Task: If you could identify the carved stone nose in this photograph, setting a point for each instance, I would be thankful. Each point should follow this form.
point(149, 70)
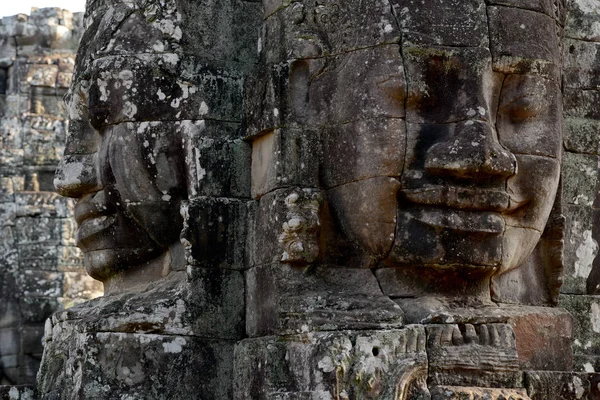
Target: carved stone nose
point(472, 153)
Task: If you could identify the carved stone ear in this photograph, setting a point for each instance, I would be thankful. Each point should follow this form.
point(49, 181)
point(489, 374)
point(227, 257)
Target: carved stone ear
point(299, 237)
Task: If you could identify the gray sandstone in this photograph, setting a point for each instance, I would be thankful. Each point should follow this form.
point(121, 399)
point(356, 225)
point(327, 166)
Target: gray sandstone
point(305, 200)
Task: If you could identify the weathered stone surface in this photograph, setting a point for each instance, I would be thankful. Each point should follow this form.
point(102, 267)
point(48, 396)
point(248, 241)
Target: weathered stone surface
point(586, 323)
point(476, 393)
point(561, 385)
point(472, 355)
point(284, 158)
point(583, 21)
point(283, 299)
point(540, 332)
point(581, 248)
point(37, 235)
point(344, 364)
point(114, 364)
point(312, 179)
point(20, 392)
point(287, 221)
point(216, 232)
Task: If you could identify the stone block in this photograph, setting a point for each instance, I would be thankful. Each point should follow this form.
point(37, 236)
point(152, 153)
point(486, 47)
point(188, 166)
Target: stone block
point(29, 364)
point(580, 135)
point(586, 322)
point(581, 70)
point(215, 232)
point(547, 385)
point(223, 32)
point(40, 283)
point(347, 364)
point(70, 258)
point(218, 159)
point(42, 75)
point(127, 88)
point(36, 309)
point(476, 393)
point(45, 204)
point(38, 256)
point(44, 230)
point(580, 178)
point(205, 302)
point(520, 36)
point(454, 23)
point(582, 21)
point(581, 103)
point(119, 365)
point(284, 158)
point(9, 308)
point(313, 92)
point(542, 335)
point(365, 213)
point(215, 303)
point(313, 29)
point(482, 355)
point(10, 342)
point(31, 339)
point(378, 88)
point(283, 299)
point(547, 7)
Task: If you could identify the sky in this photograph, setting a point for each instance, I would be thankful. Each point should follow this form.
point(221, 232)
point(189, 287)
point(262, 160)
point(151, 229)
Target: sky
point(12, 7)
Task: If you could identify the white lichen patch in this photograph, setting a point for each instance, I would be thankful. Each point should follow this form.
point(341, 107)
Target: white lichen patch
point(176, 346)
point(326, 364)
point(203, 108)
point(595, 317)
point(585, 253)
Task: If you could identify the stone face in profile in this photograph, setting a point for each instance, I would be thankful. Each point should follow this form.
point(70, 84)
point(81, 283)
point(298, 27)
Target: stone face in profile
point(129, 180)
point(138, 96)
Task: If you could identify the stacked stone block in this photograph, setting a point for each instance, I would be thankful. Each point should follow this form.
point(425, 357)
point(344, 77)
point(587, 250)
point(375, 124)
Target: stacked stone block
point(41, 270)
point(581, 197)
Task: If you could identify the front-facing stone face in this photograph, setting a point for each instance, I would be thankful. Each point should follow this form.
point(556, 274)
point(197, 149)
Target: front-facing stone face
point(429, 154)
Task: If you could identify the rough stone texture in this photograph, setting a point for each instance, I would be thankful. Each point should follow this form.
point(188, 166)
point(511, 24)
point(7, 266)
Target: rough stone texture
point(271, 191)
point(476, 393)
point(343, 364)
point(562, 385)
point(20, 392)
point(41, 270)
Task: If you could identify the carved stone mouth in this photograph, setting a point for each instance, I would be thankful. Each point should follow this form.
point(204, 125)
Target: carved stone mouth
point(468, 199)
point(460, 220)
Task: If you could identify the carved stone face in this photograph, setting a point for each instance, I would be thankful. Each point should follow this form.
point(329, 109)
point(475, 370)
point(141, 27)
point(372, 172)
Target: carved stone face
point(440, 124)
point(475, 164)
point(128, 177)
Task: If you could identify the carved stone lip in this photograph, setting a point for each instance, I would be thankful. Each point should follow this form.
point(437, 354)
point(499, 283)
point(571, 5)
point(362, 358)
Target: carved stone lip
point(468, 199)
point(487, 222)
point(92, 205)
point(92, 228)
